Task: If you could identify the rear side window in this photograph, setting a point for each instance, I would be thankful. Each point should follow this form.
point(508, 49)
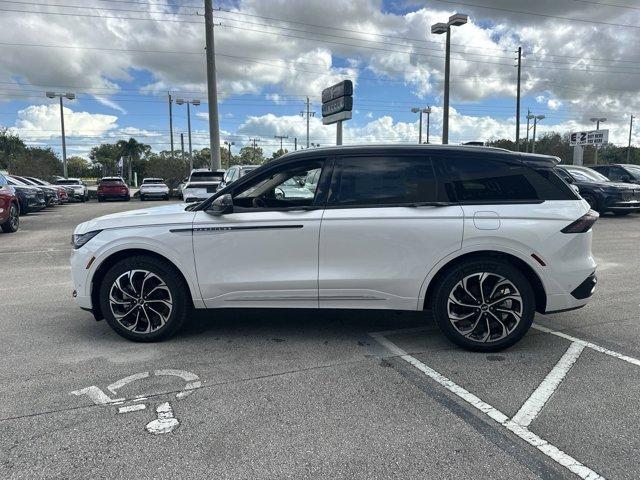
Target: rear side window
point(481, 180)
point(364, 181)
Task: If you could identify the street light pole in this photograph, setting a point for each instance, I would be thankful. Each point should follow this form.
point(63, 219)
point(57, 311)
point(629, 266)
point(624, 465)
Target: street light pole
point(428, 110)
point(629, 147)
point(597, 120)
point(69, 96)
point(455, 20)
point(421, 111)
point(195, 102)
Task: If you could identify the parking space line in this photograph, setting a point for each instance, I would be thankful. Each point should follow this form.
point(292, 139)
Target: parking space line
point(535, 403)
point(525, 434)
point(593, 346)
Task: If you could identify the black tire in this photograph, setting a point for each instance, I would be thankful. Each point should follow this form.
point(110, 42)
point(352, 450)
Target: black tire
point(127, 199)
point(495, 268)
point(181, 305)
point(592, 201)
point(142, 198)
point(621, 213)
point(13, 222)
point(100, 199)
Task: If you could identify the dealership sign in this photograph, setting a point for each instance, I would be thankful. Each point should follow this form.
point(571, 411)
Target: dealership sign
point(337, 102)
point(591, 137)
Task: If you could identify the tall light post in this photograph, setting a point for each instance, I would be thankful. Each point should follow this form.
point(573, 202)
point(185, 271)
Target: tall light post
point(536, 119)
point(455, 20)
point(228, 144)
point(597, 121)
point(195, 102)
point(68, 96)
point(421, 111)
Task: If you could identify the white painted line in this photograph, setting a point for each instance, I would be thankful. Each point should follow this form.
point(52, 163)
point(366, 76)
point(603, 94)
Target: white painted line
point(186, 376)
point(531, 438)
point(534, 404)
point(132, 408)
point(593, 346)
point(97, 396)
point(165, 423)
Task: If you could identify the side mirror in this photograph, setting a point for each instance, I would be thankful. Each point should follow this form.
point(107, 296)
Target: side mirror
point(221, 205)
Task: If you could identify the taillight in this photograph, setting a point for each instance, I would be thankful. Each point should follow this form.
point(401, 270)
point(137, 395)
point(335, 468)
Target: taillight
point(583, 224)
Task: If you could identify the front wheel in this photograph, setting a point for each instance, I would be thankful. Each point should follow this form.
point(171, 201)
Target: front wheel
point(13, 222)
point(144, 299)
point(484, 306)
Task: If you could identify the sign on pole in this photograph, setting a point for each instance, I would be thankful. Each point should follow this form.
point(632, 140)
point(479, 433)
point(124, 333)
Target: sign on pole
point(590, 137)
point(337, 106)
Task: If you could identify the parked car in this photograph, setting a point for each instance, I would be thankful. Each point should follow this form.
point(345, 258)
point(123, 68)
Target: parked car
point(234, 173)
point(201, 185)
point(50, 193)
point(293, 188)
point(31, 198)
point(153, 188)
point(78, 188)
point(620, 172)
point(482, 237)
point(180, 187)
point(602, 194)
point(113, 188)
point(63, 192)
point(9, 207)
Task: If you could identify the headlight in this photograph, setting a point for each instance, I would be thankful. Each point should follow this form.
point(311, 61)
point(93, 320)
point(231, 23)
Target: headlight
point(78, 240)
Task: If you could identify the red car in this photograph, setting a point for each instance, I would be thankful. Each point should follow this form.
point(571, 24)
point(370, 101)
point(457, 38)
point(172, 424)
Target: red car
point(113, 187)
point(9, 207)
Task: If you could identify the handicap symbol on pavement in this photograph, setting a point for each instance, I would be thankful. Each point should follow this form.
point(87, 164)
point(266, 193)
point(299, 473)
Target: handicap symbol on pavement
point(165, 421)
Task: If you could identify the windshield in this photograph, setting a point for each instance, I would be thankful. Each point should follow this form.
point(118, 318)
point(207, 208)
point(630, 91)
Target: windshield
point(68, 182)
point(587, 174)
point(206, 176)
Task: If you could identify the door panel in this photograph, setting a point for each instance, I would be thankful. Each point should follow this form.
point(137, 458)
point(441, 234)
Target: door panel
point(258, 259)
point(379, 257)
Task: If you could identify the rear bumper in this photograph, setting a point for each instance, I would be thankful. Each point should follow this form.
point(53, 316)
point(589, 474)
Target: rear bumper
point(586, 288)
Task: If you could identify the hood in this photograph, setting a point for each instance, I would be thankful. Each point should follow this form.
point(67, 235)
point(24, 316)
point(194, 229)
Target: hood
point(163, 215)
point(620, 186)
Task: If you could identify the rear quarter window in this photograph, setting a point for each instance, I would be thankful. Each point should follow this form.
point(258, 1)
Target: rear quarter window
point(486, 180)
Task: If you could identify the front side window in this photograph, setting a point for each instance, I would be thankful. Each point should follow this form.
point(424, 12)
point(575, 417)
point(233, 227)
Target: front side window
point(618, 174)
point(483, 180)
point(383, 181)
point(281, 188)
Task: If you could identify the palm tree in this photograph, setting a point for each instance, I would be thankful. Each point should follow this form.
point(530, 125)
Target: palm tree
point(133, 150)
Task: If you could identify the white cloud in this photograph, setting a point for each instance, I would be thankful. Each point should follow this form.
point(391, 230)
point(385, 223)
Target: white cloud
point(554, 104)
point(40, 122)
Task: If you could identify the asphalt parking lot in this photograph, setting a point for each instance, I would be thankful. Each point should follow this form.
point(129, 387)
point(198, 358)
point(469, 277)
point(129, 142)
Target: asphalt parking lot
point(307, 394)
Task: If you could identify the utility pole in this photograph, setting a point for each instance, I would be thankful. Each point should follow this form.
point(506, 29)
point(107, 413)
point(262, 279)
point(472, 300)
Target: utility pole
point(629, 147)
point(254, 142)
point(535, 123)
point(182, 145)
point(518, 101)
point(280, 137)
point(309, 114)
point(171, 122)
point(529, 117)
point(69, 96)
point(597, 120)
point(428, 122)
point(295, 144)
point(214, 127)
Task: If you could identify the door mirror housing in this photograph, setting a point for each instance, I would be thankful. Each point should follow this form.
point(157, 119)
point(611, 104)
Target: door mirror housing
point(221, 205)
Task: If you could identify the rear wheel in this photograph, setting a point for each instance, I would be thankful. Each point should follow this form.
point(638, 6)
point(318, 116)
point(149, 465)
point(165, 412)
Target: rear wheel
point(13, 222)
point(591, 200)
point(144, 299)
point(484, 306)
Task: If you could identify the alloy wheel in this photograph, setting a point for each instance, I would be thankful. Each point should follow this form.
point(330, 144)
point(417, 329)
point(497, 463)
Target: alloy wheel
point(140, 301)
point(14, 218)
point(485, 307)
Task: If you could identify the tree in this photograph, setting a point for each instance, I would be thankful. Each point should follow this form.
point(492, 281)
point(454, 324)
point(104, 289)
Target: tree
point(278, 153)
point(163, 165)
point(37, 162)
point(82, 168)
point(250, 155)
point(10, 147)
point(106, 156)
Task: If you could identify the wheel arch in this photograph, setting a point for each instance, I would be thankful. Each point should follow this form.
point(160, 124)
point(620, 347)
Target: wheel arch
point(115, 257)
point(526, 269)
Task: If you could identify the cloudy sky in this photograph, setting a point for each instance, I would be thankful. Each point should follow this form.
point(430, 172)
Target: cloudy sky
point(581, 60)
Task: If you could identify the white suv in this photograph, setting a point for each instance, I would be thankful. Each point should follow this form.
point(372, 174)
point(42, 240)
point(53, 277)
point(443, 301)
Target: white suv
point(482, 237)
point(201, 185)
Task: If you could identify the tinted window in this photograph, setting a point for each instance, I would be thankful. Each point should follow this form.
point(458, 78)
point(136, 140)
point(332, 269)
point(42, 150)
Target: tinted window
point(155, 181)
point(110, 181)
point(206, 176)
point(483, 180)
point(618, 174)
point(384, 181)
point(68, 182)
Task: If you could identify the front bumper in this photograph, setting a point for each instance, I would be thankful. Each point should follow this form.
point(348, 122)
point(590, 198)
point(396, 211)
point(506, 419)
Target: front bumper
point(624, 206)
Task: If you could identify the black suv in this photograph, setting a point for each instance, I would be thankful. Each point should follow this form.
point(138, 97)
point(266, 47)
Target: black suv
point(620, 172)
point(602, 194)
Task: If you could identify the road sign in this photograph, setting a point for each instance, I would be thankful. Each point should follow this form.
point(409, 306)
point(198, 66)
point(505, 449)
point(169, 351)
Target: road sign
point(336, 117)
point(591, 137)
point(337, 105)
